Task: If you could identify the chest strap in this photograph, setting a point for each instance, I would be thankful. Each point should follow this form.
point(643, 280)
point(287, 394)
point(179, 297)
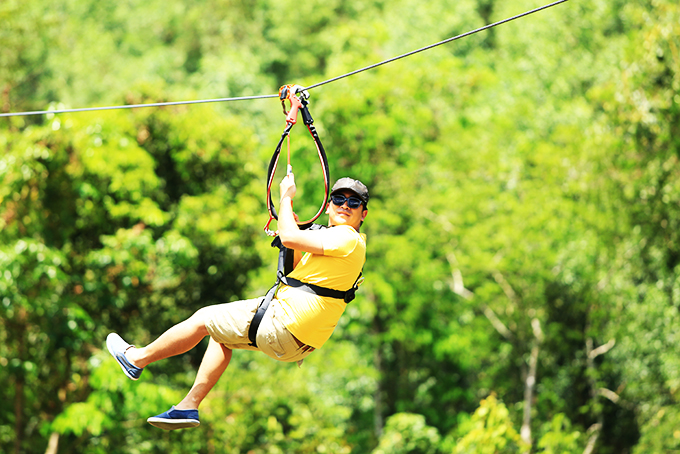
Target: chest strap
point(347, 296)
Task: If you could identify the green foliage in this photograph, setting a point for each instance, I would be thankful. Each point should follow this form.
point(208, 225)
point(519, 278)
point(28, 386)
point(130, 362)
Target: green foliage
point(489, 431)
point(660, 433)
point(249, 412)
point(558, 437)
point(642, 109)
point(407, 433)
point(92, 241)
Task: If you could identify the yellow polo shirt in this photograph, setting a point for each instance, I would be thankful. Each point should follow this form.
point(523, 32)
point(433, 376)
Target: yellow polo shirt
point(312, 318)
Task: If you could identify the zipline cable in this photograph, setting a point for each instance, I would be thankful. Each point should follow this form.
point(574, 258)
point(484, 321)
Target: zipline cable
point(243, 98)
point(134, 106)
point(408, 54)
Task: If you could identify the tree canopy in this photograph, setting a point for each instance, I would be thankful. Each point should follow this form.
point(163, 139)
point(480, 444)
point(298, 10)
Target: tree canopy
point(523, 273)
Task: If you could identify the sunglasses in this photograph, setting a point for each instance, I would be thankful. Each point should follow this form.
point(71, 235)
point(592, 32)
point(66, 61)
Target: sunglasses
point(352, 202)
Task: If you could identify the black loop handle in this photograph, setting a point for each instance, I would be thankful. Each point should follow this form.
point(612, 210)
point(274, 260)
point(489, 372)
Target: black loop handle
point(273, 163)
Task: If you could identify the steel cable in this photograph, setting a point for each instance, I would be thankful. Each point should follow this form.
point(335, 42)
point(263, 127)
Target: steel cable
point(243, 98)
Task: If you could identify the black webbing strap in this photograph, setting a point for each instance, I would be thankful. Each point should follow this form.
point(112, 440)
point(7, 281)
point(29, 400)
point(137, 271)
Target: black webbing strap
point(347, 296)
point(292, 93)
point(285, 264)
point(257, 319)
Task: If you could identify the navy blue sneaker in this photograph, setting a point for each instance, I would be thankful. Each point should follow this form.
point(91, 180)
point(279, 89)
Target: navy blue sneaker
point(175, 419)
point(117, 347)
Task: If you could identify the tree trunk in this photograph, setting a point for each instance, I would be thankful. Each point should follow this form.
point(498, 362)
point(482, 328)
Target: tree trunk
point(530, 383)
point(591, 354)
point(529, 386)
point(53, 444)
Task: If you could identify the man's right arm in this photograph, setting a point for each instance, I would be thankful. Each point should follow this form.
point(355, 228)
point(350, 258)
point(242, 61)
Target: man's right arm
point(290, 234)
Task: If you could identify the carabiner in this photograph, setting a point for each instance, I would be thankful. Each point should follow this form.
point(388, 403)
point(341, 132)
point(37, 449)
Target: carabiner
point(290, 92)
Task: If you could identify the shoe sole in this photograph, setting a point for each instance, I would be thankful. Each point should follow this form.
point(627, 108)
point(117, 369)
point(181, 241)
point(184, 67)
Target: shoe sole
point(172, 424)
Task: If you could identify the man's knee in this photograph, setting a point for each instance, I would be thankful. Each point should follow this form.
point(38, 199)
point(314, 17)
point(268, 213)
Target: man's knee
point(200, 319)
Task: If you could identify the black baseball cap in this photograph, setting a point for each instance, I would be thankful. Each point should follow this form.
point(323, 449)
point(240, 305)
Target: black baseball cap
point(353, 185)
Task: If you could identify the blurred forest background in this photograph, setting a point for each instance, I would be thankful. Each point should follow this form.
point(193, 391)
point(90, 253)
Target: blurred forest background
point(523, 276)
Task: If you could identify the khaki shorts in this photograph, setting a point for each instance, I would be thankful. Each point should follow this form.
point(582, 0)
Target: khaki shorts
point(228, 324)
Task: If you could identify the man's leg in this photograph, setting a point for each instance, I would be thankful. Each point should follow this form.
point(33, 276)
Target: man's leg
point(177, 340)
point(215, 362)
point(185, 414)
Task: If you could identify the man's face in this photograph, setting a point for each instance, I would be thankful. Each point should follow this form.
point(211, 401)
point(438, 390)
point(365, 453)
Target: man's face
point(343, 214)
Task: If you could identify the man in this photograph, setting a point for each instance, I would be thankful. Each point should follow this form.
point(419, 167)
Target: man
point(295, 323)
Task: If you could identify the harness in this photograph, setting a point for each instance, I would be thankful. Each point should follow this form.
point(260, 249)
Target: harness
point(284, 267)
